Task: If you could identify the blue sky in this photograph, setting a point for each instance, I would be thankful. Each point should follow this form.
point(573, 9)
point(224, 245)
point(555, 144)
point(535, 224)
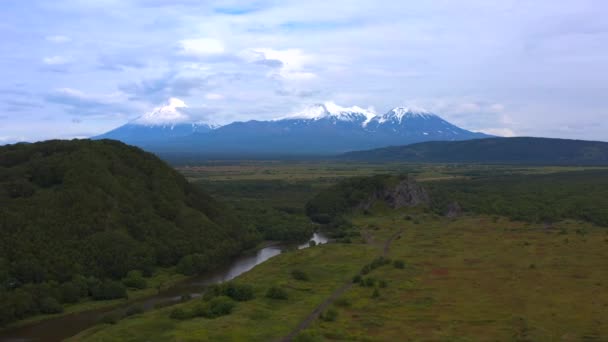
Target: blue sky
point(76, 68)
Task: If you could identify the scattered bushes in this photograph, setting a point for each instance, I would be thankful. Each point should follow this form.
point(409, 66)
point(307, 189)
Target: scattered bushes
point(399, 264)
point(236, 291)
point(215, 307)
point(276, 293)
point(299, 275)
point(108, 289)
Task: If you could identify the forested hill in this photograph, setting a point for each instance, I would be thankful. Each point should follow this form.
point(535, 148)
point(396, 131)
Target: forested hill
point(520, 150)
point(100, 209)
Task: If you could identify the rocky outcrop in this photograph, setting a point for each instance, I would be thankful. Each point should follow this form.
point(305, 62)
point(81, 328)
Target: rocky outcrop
point(406, 193)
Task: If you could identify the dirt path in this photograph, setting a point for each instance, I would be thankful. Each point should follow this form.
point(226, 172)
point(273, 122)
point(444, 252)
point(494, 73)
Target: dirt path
point(335, 295)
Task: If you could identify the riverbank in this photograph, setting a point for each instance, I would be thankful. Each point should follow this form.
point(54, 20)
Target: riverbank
point(174, 286)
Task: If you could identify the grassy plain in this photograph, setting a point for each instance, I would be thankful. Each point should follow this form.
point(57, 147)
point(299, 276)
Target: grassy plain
point(473, 278)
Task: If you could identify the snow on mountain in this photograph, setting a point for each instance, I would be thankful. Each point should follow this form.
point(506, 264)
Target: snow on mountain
point(398, 114)
point(330, 110)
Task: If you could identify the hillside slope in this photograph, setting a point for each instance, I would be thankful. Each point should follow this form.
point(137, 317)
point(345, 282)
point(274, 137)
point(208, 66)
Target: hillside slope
point(520, 150)
point(101, 209)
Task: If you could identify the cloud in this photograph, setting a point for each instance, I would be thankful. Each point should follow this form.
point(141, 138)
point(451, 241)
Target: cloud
point(200, 47)
point(120, 62)
point(58, 39)
point(56, 60)
point(79, 103)
point(214, 96)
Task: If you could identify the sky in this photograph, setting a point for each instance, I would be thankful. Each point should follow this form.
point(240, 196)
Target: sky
point(78, 68)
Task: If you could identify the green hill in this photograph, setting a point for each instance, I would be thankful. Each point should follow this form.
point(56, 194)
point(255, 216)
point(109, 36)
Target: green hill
point(541, 151)
point(83, 212)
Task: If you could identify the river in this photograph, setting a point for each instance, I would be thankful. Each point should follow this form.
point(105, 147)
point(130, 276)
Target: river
point(60, 328)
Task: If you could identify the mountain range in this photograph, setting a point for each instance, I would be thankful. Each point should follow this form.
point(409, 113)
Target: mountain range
point(321, 129)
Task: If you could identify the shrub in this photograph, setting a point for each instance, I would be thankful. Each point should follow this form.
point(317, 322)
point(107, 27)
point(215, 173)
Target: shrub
point(330, 315)
point(369, 282)
point(312, 243)
point(308, 336)
point(276, 293)
point(219, 306)
point(70, 293)
point(238, 292)
point(135, 279)
point(49, 305)
point(382, 284)
point(299, 275)
point(399, 264)
point(357, 279)
point(376, 293)
point(108, 289)
point(343, 302)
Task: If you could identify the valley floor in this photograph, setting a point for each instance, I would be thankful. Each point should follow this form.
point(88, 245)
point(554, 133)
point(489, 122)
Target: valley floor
point(468, 279)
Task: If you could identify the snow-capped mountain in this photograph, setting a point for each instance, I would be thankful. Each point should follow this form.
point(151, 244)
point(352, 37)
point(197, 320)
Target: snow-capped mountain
point(321, 129)
point(158, 126)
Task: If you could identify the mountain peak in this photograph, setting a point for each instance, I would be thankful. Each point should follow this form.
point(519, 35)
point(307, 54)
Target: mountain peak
point(400, 113)
point(166, 114)
point(331, 110)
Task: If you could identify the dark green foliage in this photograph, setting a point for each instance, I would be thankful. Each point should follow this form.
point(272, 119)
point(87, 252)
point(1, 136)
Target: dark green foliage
point(234, 290)
point(535, 198)
point(382, 284)
point(108, 289)
point(312, 243)
point(219, 306)
point(331, 203)
point(299, 275)
point(519, 150)
point(399, 264)
point(376, 293)
point(216, 307)
point(50, 305)
point(330, 315)
point(276, 292)
point(101, 209)
point(135, 279)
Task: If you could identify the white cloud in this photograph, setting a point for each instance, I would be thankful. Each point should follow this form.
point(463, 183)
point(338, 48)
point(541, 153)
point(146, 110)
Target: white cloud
point(56, 60)
point(293, 62)
point(58, 39)
point(169, 113)
point(201, 47)
point(501, 132)
point(214, 96)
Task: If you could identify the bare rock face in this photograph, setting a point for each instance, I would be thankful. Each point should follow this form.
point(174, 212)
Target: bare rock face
point(454, 210)
point(407, 193)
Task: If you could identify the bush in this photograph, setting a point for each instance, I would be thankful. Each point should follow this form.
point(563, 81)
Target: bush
point(382, 284)
point(308, 336)
point(70, 293)
point(299, 275)
point(330, 315)
point(399, 264)
point(135, 280)
point(238, 292)
point(49, 305)
point(219, 306)
point(357, 279)
point(108, 289)
point(376, 293)
point(343, 302)
point(276, 293)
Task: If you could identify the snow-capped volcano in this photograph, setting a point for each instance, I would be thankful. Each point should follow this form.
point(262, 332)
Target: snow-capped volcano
point(330, 110)
point(162, 123)
point(320, 129)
